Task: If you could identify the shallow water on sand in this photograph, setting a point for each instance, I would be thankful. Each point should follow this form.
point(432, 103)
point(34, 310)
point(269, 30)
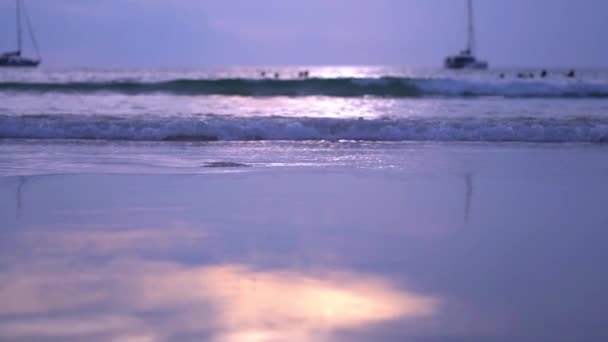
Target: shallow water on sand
point(459, 243)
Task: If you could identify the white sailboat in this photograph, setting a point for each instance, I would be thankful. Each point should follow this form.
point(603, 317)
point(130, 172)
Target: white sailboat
point(14, 58)
point(466, 58)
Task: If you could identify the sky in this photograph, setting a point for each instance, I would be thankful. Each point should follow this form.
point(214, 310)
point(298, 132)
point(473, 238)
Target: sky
point(185, 33)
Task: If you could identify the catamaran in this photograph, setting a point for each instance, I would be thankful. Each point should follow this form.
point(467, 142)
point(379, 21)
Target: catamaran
point(14, 58)
point(466, 58)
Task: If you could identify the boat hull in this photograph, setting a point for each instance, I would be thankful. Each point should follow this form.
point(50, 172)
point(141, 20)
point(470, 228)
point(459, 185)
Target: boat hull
point(468, 62)
point(19, 63)
point(476, 66)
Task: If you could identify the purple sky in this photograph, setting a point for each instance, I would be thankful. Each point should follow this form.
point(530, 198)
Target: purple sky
point(534, 33)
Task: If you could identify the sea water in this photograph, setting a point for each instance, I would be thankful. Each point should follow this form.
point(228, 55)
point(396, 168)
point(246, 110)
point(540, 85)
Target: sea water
point(119, 111)
point(363, 203)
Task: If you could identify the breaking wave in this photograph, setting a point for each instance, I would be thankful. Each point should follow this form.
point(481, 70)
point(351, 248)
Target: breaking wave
point(214, 128)
point(339, 87)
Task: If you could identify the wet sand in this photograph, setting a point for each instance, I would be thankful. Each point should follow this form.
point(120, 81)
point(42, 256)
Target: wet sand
point(512, 252)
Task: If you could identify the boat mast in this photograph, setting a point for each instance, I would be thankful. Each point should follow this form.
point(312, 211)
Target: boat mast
point(471, 40)
point(18, 26)
point(30, 29)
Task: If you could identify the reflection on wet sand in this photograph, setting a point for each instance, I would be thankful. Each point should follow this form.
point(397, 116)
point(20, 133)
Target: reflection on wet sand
point(226, 302)
point(99, 239)
point(128, 297)
point(19, 196)
point(286, 305)
point(468, 180)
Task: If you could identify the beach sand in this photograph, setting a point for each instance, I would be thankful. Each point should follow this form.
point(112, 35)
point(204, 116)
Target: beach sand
point(463, 244)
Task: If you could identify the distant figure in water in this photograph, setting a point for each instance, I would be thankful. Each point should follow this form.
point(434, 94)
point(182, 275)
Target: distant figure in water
point(543, 73)
point(520, 75)
point(570, 74)
point(263, 73)
point(276, 75)
point(531, 75)
point(502, 76)
point(303, 74)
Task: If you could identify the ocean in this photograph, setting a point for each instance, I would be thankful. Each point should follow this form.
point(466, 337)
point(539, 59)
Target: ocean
point(120, 111)
point(360, 203)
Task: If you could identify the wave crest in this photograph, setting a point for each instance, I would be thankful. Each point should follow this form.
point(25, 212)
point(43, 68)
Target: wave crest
point(213, 128)
point(338, 87)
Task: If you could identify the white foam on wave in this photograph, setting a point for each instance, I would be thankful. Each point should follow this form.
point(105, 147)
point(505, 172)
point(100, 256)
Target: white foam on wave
point(512, 88)
point(305, 128)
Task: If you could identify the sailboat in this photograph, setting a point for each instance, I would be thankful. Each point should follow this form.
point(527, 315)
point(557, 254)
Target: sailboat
point(14, 58)
point(466, 58)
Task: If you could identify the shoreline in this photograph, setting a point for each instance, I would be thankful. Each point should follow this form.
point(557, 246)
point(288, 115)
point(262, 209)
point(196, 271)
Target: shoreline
point(24, 157)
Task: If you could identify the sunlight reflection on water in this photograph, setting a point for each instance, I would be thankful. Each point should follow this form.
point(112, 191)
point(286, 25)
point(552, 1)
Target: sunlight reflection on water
point(64, 291)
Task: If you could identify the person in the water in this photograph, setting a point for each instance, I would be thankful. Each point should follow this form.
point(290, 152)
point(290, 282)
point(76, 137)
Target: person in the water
point(303, 74)
point(571, 74)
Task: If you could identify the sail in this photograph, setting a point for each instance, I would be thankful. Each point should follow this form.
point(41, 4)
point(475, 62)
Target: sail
point(30, 29)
